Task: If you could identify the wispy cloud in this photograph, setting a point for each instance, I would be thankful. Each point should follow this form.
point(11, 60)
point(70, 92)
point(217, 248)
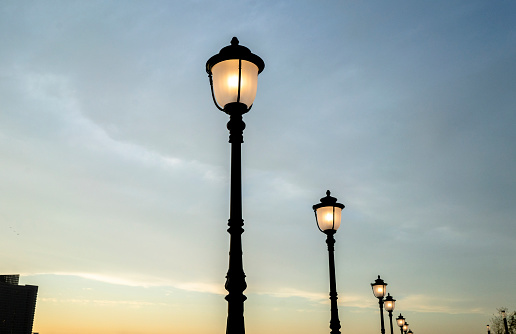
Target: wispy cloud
point(56, 98)
point(201, 287)
point(143, 281)
point(344, 300)
point(101, 302)
point(439, 304)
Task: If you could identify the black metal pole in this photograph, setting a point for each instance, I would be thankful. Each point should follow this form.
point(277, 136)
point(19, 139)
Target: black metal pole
point(235, 279)
point(390, 318)
point(380, 301)
point(401, 329)
point(505, 325)
point(334, 320)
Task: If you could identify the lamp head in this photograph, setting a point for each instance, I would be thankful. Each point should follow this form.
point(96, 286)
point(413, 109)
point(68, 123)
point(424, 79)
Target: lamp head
point(389, 303)
point(379, 288)
point(233, 74)
point(400, 320)
point(328, 214)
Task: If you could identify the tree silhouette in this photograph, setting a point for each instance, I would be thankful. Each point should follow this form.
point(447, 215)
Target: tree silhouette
point(497, 326)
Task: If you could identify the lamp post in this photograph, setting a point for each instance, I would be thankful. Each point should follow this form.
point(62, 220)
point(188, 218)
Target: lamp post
point(233, 74)
point(379, 292)
point(389, 307)
point(328, 215)
point(505, 322)
point(405, 327)
point(401, 321)
point(410, 331)
point(488, 330)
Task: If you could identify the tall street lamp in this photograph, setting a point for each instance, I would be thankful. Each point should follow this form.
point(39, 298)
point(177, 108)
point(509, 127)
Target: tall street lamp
point(401, 321)
point(233, 74)
point(505, 322)
point(379, 292)
point(389, 307)
point(328, 214)
point(488, 330)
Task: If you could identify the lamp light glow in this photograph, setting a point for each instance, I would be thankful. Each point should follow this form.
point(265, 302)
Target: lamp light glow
point(328, 213)
point(389, 303)
point(400, 320)
point(233, 74)
point(379, 287)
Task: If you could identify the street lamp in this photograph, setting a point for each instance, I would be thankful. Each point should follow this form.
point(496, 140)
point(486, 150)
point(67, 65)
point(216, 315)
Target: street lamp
point(379, 292)
point(505, 322)
point(488, 330)
point(405, 327)
point(389, 307)
point(233, 74)
point(410, 331)
point(328, 216)
point(401, 321)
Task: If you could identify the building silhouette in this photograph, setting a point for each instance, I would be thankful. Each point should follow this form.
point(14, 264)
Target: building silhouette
point(17, 305)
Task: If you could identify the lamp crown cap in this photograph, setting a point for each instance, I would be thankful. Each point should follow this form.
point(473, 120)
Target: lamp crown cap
point(328, 199)
point(379, 281)
point(235, 51)
point(389, 298)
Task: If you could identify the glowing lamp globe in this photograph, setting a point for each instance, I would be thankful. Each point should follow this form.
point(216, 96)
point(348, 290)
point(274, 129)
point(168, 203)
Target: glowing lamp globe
point(379, 287)
point(233, 74)
point(400, 320)
point(389, 303)
point(328, 213)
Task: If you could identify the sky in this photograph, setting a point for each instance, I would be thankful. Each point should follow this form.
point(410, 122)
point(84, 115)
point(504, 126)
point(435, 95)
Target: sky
point(114, 182)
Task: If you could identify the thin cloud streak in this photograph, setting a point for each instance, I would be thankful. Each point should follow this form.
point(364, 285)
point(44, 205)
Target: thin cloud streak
point(102, 302)
point(437, 304)
point(56, 98)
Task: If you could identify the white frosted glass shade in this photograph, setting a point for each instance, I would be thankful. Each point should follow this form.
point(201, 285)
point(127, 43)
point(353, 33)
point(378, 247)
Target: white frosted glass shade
point(401, 322)
point(226, 82)
point(328, 217)
point(389, 305)
point(379, 290)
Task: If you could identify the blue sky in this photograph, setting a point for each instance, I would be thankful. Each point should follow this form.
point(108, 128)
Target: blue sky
point(115, 162)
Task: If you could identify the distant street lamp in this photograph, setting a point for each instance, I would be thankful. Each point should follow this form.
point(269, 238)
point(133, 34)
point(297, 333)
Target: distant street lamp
point(389, 307)
point(401, 321)
point(405, 327)
point(488, 330)
point(379, 292)
point(410, 331)
point(505, 322)
point(328, 217)
point(233, 74)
